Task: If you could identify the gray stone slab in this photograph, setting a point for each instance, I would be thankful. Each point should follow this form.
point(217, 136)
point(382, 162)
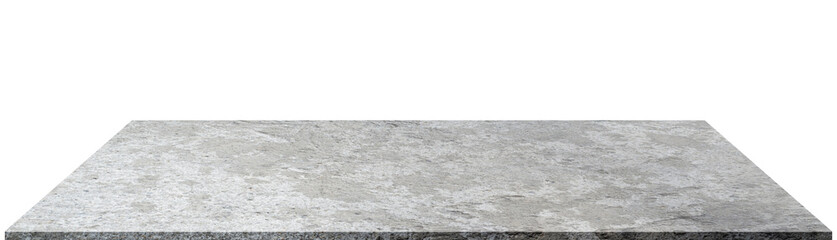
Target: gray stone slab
point(418, 180)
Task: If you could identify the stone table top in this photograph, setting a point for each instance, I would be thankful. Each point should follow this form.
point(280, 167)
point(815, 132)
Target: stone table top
point(416, 179)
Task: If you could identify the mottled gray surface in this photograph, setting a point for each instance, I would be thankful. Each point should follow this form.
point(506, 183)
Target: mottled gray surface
point(417, 176)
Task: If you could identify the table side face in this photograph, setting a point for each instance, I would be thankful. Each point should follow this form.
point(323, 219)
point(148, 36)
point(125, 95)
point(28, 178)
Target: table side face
point(418, 176)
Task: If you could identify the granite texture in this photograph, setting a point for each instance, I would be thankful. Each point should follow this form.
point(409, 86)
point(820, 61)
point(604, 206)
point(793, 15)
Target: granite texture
point(418, 180)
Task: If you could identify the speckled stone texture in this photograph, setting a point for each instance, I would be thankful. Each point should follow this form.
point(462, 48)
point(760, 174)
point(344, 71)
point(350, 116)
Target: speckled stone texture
point(418, 180)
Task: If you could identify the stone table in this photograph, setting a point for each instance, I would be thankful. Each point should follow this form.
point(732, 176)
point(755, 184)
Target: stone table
point(418, 180)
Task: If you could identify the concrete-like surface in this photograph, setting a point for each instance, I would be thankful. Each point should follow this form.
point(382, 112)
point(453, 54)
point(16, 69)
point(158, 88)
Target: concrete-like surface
point(418, 179)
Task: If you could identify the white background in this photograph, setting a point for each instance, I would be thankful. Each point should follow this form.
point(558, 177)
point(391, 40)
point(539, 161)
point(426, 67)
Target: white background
point(73, 73)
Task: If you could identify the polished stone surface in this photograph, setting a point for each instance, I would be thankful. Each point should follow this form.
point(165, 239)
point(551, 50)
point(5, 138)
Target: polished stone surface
point(417, 179)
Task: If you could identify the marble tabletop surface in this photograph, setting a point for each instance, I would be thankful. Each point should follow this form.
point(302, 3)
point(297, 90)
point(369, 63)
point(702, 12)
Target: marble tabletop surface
point(417, 176)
